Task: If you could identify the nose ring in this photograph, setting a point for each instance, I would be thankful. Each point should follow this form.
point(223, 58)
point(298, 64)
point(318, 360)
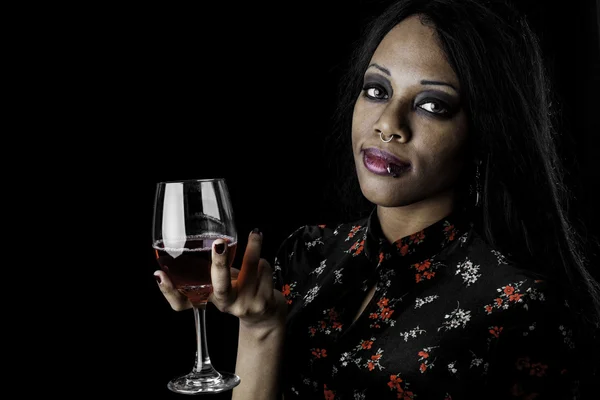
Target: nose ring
point(385, 141)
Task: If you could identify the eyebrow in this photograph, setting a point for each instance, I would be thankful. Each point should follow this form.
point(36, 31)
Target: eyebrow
point(379, 67)
point(439, 83)
point(423, 82)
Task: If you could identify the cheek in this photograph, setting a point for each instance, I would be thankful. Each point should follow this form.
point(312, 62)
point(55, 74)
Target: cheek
point(356, 121)
point(445, 157)
point(362, 119)
point(449, 142)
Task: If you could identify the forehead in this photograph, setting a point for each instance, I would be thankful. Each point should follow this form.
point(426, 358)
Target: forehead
point(411, 47)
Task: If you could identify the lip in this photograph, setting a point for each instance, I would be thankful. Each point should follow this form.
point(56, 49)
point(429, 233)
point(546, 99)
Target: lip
point(374, 152)
point(377, 161)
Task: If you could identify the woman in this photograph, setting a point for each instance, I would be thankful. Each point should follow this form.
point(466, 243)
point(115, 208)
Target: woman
point(438, 292)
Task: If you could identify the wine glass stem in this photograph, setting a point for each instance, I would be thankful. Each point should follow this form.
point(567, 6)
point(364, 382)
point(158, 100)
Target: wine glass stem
point(203, 365)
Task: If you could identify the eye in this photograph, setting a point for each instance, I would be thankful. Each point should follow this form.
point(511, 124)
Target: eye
point(434, 106)
point(375, 92)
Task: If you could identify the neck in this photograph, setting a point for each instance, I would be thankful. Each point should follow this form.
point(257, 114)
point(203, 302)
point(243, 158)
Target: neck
point(398, 222)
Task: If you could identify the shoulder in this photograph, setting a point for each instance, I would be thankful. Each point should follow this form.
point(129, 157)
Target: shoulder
point(521, 320)
point(498, 269)
point(316, 238)
point(500, 290)
point(299, 259)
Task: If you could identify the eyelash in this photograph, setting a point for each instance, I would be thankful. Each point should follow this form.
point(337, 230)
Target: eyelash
point(446, 111)
point(377, 87)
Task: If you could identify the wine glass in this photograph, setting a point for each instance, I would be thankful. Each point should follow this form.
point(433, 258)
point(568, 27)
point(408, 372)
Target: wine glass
point(189, 215)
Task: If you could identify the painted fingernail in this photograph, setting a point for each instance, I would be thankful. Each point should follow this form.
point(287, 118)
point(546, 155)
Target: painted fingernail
point(220, 248)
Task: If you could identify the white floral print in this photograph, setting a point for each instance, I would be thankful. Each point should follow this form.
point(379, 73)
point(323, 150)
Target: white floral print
point(468, 271)
point(317, 271)
point(412, 333)
point(456, 318)
point(310, 295)
point(338, 276)
point(421, 302)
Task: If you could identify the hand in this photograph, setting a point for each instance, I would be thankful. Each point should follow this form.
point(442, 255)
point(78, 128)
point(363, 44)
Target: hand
point(251, 297)
point(177, 301)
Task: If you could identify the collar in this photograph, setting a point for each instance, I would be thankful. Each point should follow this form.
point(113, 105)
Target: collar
point(417, 247)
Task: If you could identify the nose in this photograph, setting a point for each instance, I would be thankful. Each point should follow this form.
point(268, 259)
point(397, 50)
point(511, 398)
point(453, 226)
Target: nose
point(393, 122)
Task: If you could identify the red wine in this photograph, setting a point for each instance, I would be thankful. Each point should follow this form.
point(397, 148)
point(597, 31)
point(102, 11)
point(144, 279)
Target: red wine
point(188, 266)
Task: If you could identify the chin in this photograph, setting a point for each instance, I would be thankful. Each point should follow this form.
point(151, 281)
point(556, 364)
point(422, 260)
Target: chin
point(390, 201)
point(386, 195)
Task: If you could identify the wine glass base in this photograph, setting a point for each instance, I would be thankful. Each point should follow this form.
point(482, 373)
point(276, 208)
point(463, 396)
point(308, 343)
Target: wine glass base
point(194, 384)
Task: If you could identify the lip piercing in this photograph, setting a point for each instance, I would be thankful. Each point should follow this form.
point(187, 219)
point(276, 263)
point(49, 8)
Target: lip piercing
point(389, 170)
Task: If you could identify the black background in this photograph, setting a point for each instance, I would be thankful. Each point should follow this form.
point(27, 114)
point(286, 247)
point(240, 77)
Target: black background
point(246, 92)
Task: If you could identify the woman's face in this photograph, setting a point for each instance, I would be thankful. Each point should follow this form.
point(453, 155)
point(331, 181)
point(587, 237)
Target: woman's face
point(409, 91)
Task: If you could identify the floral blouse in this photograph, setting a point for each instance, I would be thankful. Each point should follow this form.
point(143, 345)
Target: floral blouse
point(450, 318)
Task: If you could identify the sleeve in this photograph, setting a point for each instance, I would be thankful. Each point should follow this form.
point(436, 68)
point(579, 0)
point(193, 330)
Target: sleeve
point(294, 261)
point(534, 352)
point(284, 278)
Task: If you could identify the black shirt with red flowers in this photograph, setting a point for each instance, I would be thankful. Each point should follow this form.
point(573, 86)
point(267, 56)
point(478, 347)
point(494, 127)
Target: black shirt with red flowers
point(450, 318)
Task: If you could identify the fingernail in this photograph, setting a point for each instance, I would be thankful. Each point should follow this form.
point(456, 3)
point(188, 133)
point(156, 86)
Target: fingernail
point(256, 230)
point(157, 279)
point(220, 248)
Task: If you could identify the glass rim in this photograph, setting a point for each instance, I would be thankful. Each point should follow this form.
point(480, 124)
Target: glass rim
point(190, 180)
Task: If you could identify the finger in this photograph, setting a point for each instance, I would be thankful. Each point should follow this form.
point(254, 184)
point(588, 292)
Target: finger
point(177, 301)
point(234, 273)
point(248, 273)
point(265, 284)
point(219, 272)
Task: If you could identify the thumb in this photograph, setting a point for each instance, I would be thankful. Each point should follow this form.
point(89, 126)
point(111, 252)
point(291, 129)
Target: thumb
point(177, 301)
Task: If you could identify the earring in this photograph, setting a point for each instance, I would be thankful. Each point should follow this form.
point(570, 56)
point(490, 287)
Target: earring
point(477, 185)
point(475, 188)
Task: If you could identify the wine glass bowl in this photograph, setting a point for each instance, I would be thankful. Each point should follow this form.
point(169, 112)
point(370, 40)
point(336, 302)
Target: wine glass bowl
point(188, 267)
point(189, 215)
